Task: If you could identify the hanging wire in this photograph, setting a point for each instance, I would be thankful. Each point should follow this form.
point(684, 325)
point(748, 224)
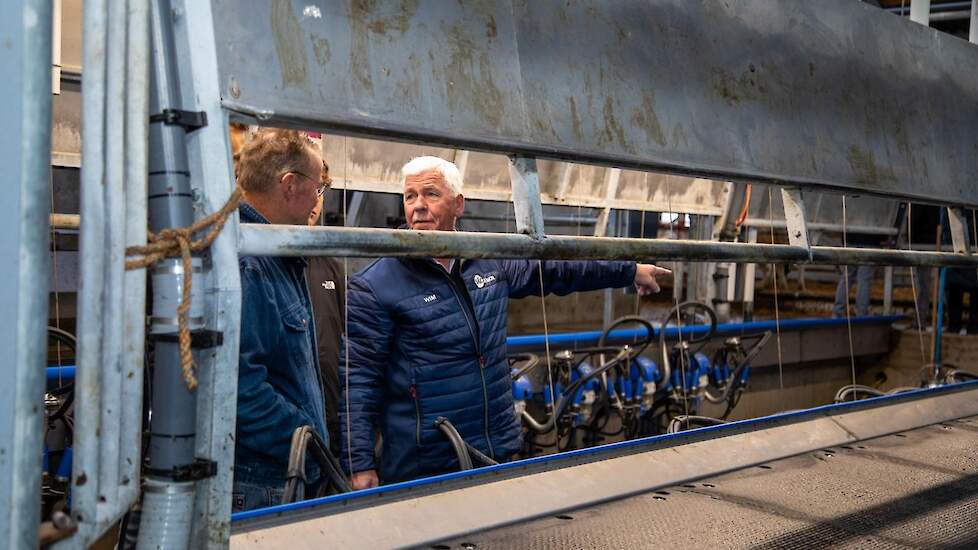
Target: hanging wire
point(777, 309)
point(346, 316)
point(679, 318)
point(546, 344)
point(845, 274)
point(57, 295)
point(913, 288)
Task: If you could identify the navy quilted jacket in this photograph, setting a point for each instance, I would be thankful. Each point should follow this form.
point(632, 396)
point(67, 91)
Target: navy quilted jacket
point(425, 343)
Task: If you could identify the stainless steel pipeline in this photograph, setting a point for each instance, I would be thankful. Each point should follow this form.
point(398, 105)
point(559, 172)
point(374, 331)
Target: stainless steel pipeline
point(280, 240)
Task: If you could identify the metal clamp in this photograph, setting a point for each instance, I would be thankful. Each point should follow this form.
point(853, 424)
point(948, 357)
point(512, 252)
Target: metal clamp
point(200, 468)
point(199, 339)
point(189, 120)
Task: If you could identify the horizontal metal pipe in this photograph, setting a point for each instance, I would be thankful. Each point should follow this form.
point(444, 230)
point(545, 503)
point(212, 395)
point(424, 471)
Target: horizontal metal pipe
point(689, 331)
point(950, 15)
point(934, 8)
point(282, 240)
point(819, 226)
point(65, 221)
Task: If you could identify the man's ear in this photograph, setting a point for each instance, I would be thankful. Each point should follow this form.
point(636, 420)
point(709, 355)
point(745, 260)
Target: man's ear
point(286, 187)
point(459, 205)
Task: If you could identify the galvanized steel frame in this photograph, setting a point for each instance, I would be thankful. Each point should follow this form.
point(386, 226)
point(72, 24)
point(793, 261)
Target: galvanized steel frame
point(25, 146)
point(111, 313)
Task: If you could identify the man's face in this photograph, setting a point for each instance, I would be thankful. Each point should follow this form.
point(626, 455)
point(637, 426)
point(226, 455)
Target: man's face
point(301, 189)
point(429, 204)
point(316, 212)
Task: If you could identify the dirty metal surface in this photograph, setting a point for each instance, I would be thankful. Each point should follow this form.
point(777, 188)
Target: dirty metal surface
point(918, 489)
point(807, 93)
point(360, 164)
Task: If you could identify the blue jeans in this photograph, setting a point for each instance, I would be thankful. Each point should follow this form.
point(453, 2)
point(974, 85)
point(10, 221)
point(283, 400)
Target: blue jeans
point(248, 496)
point(862, 278)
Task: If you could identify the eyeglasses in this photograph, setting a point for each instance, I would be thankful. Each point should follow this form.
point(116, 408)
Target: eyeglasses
point(322, 186)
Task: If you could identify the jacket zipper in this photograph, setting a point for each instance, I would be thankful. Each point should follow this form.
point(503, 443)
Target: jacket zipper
point(413, 392)
point(467, 310)
point(315, 347)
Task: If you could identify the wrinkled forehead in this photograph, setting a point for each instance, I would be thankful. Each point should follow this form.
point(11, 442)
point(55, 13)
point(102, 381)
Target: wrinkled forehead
point(428, 177)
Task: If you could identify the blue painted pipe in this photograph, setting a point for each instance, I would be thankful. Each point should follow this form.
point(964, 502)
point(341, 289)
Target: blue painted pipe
point(723, 329)
point(56, 374)
point(939, 321)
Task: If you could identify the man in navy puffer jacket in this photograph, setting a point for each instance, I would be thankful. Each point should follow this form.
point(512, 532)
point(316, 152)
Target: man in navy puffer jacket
point(427, 339)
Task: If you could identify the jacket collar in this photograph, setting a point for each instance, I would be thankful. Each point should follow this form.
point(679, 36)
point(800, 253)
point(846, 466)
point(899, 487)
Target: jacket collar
point(248, 214)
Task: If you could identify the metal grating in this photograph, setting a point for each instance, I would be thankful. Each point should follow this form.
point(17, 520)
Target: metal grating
point(911, 490)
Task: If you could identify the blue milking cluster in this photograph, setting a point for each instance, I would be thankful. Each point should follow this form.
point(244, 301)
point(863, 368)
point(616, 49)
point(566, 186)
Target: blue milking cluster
point(588, 396)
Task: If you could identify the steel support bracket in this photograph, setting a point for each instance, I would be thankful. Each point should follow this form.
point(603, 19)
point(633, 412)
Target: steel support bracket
point(189, 120)
point(610, 192)
point(526, 196)
point(958, 224)
point(794, 217)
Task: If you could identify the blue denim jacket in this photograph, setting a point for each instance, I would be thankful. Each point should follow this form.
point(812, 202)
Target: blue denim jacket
point(279, 385)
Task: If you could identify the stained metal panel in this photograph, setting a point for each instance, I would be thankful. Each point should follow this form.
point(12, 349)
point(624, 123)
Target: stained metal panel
point(359, 164)
point(809, 93)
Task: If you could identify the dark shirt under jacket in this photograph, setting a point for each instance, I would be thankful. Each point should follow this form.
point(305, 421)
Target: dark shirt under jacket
point(327, 287)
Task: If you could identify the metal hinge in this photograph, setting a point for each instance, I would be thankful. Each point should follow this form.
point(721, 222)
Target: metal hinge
point(189, 120)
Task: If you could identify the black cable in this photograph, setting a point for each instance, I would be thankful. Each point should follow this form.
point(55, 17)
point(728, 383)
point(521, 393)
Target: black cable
point(532, 361)
point(446, 427)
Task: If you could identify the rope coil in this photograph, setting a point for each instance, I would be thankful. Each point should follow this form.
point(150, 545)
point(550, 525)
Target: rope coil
point(178, 242)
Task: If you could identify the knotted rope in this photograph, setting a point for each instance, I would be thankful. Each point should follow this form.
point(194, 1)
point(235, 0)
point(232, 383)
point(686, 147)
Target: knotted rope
point(170, 243)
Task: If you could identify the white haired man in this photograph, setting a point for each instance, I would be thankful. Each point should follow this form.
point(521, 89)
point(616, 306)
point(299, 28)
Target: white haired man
point(427, 340)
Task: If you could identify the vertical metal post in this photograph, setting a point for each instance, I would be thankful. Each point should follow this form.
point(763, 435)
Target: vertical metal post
point(939, 320)
point(114, 250)
point(794, 218)
point(565, 179)
point(88, 390)
point(920, 11)
point(611, 191)
point(526, 196)
point(958, 224)
point(209, 155)
point(136, 174)
point(25, 149)
point(353, 212)
point(750, 271)
point(973, 29)
point(888, 290)
point(608, 295)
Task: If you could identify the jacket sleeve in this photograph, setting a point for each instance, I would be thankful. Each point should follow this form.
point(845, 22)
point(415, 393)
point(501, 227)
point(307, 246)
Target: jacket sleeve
point(265, 416)
point(370, 333)
point(563, 277)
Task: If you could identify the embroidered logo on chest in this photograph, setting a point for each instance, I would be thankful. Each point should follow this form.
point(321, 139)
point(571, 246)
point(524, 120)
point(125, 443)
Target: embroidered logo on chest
point(329, 285)
point(430, 298)
point(481, 281)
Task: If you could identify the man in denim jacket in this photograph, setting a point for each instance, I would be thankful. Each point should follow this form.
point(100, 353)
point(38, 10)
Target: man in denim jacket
point(279, 385)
